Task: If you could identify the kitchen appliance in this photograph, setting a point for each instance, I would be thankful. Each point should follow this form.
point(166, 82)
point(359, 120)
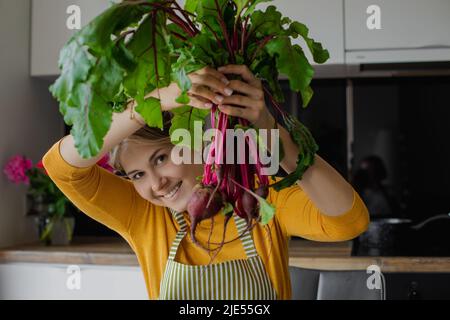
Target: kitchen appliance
point(400, 237)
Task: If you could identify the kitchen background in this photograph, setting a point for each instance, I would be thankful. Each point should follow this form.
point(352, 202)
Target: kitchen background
point(380, 111)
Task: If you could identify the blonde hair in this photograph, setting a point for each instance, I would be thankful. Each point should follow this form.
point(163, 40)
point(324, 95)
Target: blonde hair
point(145, 135)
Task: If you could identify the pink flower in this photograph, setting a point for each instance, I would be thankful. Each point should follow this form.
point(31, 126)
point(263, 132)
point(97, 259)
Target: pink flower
point(16, 169)
point(104, 163)
point(40, 165)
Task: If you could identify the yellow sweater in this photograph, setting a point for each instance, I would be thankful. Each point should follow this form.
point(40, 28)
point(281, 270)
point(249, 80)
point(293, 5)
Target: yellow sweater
point(150, 229)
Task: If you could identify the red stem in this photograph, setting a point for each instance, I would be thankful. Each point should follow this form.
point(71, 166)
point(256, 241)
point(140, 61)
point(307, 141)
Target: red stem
point(185, 15)
point(254, 152)
point(219, 43)
point(243, 35)
point(274, 103)
point(225, 32)
point(155, 53)
point(175, 19)
point(176, 34)
point(188, 26)
point(261, 45)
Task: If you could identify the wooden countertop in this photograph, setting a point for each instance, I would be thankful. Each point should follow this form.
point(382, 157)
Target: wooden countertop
point(305, 254)
point(85, 250)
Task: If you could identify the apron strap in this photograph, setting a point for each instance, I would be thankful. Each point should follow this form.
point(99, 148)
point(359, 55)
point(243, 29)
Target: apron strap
point(246, 239)
point(241, 225)
point(180, 234)
point(180, 220)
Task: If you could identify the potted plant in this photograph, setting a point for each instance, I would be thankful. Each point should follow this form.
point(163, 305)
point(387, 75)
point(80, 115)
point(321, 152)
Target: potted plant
point(51, 208)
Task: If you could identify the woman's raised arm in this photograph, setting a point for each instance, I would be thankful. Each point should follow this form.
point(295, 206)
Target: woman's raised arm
point(122, 126)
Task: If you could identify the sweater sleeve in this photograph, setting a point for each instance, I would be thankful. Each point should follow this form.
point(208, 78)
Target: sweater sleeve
point(100, 194)
point(298, 216)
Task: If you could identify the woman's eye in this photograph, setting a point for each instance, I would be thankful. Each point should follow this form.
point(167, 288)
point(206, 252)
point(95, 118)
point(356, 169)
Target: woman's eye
point(136, 176)
point(160, 159)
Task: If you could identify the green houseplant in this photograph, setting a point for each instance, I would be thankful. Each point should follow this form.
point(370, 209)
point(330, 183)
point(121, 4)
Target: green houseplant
point(46, 202)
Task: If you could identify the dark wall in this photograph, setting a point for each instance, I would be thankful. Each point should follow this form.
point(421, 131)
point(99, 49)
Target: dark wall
point(325, 116)
point(404, 121)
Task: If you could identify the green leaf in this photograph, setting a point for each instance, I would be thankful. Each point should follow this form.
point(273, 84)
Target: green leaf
point(191, 5)
point(185, 64)
point(124, 57)
point(185, 118)
point(209, 8)
point(266, 69)
point(46, 234)
point(206, 51)
point(308, 148)
point(137, 81)
point(183, 98)
point(91, 121)
point(299, 73)
point(227, 209)
point(266, 211)
point(60, 206)
point(307, 94)
point(75, 63)
point(144, 79)
point(106, 78)
point(267, 22)
point(68, 229)
point(150, 110)
point(97, 34)
point(184, 83)
point(251, 8)
point(320, 55)
point(175, 42)
point(140, 42)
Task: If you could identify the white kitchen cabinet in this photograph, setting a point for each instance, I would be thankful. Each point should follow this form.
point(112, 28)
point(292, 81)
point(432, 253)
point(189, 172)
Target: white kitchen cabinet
point(325, 20)
point(411, 31)
point(31, 281)
point(49, 31)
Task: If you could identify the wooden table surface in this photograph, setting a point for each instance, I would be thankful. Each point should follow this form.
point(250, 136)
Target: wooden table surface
point(302, 253)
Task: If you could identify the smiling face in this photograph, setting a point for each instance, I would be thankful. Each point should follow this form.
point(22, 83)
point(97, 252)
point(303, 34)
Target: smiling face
point(156, 178)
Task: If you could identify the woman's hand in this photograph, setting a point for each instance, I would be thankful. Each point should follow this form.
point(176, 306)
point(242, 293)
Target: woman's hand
point(208, 85)
point(250, 103)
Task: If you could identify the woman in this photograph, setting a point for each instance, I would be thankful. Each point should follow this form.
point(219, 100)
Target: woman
point(149, 209)
point(368, 182)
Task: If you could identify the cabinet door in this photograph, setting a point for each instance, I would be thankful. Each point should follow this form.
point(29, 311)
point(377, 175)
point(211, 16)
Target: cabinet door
point(24, 281)
point(325, 20)
point(49, 30)
point(405, 24)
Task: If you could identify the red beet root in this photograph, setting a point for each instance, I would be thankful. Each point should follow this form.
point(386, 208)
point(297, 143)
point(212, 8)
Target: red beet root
point(249, 204)
point(262, 191)
point(198, 208)
point(239, 209)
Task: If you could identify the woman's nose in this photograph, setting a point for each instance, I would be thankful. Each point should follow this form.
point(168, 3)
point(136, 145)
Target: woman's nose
point(158, 184)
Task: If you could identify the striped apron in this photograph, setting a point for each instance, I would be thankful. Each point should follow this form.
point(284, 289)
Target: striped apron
point(243, 279)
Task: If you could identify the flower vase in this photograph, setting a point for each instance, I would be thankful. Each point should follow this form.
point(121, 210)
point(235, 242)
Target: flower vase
point(56, 230)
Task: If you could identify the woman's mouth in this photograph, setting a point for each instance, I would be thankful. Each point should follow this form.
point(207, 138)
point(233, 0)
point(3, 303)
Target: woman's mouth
point(172, 193)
